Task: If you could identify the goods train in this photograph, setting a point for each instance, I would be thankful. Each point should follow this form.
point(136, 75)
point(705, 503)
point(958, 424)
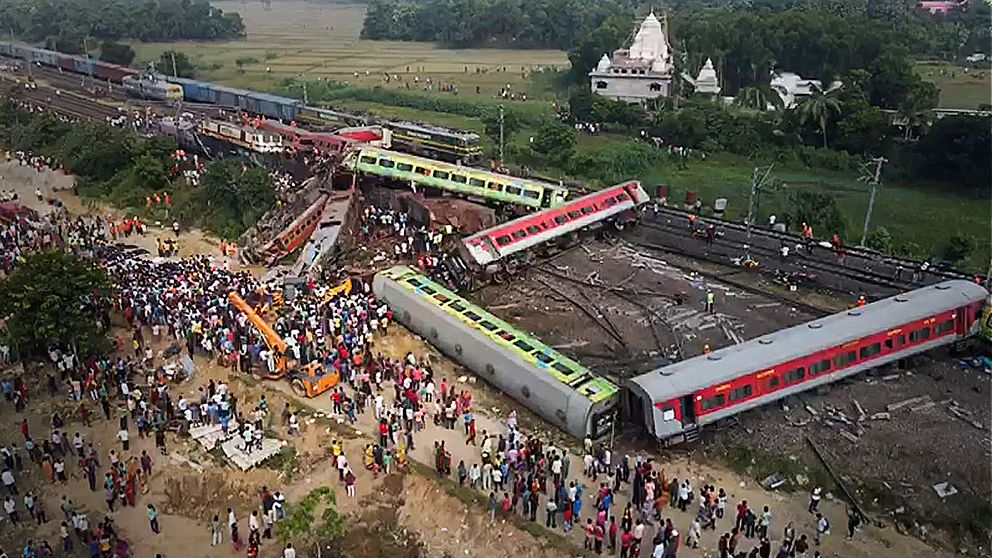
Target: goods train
point(673, 402)
point(445, 144)
point(555, 387)
point(493, 245)
point(467, 181)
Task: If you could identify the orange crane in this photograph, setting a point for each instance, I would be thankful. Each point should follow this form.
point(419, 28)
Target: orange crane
point(309, 380)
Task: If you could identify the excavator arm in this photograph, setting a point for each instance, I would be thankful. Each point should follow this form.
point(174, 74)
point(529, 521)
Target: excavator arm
point(272, 339)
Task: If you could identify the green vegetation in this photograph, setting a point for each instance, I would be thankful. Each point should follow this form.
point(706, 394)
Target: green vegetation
point(760, 464)
point(114, 165)
point(176, 64)
point(313, 521)
point(66, 24)
point(116, 53)
point(53, 298)
point(960, 87)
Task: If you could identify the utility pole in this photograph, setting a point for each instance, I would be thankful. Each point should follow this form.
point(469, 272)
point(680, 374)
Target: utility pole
point(752, 204)
point(172, 54)
point(306, 99)
point(501, 161)
point(875, 179)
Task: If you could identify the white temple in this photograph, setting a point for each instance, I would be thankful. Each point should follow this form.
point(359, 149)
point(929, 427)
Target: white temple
point(706, 83)
point(638, 73)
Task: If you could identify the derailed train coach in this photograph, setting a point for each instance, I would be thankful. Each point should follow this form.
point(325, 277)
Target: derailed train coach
point(673, 402)
point(555, 387)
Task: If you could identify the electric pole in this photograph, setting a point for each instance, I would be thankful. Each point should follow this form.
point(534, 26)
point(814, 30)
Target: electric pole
point(501, 134)
point(875, 179)
point(175, 73)
point(752, 204)
point(306, 99)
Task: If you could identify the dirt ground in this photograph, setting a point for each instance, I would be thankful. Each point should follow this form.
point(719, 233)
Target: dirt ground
point(388, 517)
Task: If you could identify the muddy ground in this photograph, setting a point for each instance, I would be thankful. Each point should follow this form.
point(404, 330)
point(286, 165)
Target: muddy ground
point(655, 301)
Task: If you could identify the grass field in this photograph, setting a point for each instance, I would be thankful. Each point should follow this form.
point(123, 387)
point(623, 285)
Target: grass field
point(958, 88)
point(322, 41)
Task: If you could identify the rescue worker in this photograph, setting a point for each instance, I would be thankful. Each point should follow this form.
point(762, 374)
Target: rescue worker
point(861, 301)
point(710, 298)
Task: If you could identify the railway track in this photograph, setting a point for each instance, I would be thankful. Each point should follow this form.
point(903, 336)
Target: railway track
point(859, 271)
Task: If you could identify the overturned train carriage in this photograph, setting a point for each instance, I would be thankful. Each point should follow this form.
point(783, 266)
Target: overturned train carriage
point(555, 387)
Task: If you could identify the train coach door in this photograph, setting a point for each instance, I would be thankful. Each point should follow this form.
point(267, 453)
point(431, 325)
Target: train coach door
point(688, 410)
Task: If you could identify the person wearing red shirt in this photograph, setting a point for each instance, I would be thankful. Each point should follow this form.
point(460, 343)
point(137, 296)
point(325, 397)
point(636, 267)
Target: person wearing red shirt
point(626, 541)
point(741, 514)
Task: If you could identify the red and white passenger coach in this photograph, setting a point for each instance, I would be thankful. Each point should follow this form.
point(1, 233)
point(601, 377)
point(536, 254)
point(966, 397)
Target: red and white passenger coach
point(520, 234)
point(674, 401)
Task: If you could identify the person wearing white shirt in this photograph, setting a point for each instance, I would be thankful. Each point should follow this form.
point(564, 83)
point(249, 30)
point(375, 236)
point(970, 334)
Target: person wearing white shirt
point(289, 552)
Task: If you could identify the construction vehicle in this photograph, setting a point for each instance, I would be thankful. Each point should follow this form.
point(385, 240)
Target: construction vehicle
point(308, 380)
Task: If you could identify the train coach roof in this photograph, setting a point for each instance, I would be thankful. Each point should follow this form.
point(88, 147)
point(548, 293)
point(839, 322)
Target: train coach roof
point(798, 341)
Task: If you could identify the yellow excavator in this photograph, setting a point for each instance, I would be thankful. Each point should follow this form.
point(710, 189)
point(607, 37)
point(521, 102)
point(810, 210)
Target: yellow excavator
point(308, 380)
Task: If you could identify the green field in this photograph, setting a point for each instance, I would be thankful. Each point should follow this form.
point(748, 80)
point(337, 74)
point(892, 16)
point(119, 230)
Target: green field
point(322, 42)
point(959, 87)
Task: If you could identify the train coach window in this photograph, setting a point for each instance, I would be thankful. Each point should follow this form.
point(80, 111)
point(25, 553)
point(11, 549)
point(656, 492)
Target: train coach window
point(742, 392)
point(476, 182)
point(503, 240)
point(871, 350)
point(796, 375)
point(588, 209)
point(773, 382)
point(574, 214)
point(441, 298)
point(561, 219)
point(457, 306)
point(440, 174)
point(611, 202)
point(843, 360)
point(668, 414)
point(820, 367)
point(563, 369)
point(622, 197)
point(523, 346)
point(513, 190)
point(495, 186)
point(472, 316)
point(429, 290)
point(405, 167)
point(533, 229)
point(368, 160)
point(943, 327)
point(488, 326)
point(423, 171)
point(517, 235)
point(531, 194)
point(543, 357)
point(459, 178)
point(414, 281)
point(712, 402)
point(919, 335)
point(386, 163)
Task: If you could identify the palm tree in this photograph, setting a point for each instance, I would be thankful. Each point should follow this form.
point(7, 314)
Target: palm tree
point(914, 110)
point(758, 97)
point(817, 108)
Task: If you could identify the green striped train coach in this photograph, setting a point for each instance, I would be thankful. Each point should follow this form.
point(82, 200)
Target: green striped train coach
point(467, 181)
point(557, 388)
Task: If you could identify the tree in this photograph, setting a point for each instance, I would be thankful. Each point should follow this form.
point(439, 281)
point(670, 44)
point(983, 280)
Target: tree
point(302, 522)
point(958, 248)
point(491, 126)
point(757, 98)
point(556, 141)
point(818, 108)
point(915, 105)
point(175, 63)
point(880, 240)
point(818, 209)
point(956, 150)
point(54, 299)
point(232, 197)
point(591, 47)
point(116, 53)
